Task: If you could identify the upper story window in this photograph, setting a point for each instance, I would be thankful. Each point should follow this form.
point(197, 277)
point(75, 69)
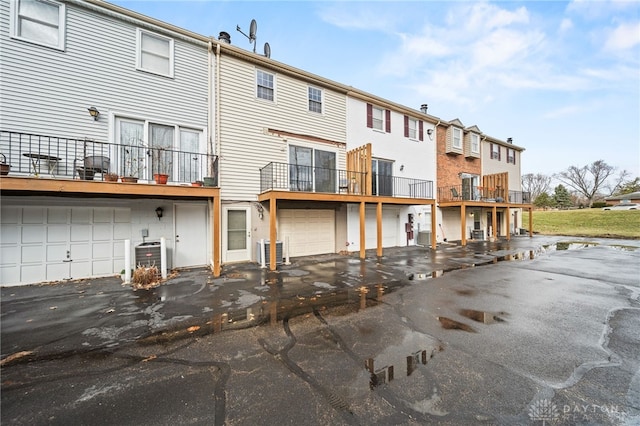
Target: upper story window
point(378, 118)
point(475, 143)
point(154, 53)
point(495, 151)
point(265, 85)
point(315, 99)
point(413, 129)
point(39, 21)
point(511, 156)
point(457, 138)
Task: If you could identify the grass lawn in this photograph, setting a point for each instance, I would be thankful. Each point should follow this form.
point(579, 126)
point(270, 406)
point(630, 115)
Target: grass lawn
point(586, 223)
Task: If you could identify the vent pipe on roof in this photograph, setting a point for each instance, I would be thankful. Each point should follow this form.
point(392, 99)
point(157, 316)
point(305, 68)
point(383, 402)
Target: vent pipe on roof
point(510, 140)
point(424, 108)
point(224, 37)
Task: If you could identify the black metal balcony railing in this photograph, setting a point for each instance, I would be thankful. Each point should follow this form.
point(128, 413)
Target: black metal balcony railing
point(31, 154)
point(293, 177)
point(480, 193)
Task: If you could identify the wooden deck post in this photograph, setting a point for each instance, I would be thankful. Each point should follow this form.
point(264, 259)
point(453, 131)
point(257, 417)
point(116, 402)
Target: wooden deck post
point(272, 233)
point(463, 224)
point(379, 228)
point(433, 225)
point(362, 233)
point(494, 222)
point(530, 222)
point(216, 229)
point(508, 223)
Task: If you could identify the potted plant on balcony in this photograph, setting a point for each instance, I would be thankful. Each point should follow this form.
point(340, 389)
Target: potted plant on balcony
point(132, 167)
point(161, 165)
point(111, 177)
point(4, 167)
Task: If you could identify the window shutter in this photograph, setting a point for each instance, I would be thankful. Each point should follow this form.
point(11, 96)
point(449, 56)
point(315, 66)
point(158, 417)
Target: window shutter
point(369, 115)
point(406, 126)
point(387, 120)
point(420, 131)
point(499, 152)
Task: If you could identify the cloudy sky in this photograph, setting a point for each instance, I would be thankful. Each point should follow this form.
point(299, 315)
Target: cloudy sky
point(562, 78)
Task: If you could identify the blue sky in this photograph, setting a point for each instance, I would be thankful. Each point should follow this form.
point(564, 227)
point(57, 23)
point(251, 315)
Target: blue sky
point(561, 78)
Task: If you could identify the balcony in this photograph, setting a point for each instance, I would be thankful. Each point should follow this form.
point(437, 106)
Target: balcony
point(31, 155)
point(455, 193)
point(299, 178)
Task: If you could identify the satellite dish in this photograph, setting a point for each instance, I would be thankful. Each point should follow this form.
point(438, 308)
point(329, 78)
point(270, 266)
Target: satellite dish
point(252, 30)
point(267, 50)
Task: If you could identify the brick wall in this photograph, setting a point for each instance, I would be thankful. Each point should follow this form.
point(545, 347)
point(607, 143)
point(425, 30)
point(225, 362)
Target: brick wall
point(448, 165)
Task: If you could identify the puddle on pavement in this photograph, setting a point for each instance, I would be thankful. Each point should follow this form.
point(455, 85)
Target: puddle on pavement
point(574, 245)
point(450, 324)
point(482, 316)
point(272, 311)
point(401, 360)
point(623, 247)
point(465, 292)
point(425, 276)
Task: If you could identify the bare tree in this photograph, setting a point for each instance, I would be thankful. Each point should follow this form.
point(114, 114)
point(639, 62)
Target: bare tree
point(587, 180)
point(535, 184)
point(618, 182)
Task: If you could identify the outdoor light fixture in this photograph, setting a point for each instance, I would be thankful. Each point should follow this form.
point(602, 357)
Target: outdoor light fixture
point(429, 132)
point(159, 212)
point(401, 167)
point(93, 111)
point(424, 108)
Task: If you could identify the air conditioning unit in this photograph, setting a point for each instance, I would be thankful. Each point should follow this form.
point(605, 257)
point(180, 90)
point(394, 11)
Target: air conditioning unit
point(267, 252)
point(149, 254)
point(424, 238)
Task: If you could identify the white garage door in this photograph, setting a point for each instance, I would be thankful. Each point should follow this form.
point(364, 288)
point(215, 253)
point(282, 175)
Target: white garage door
point(54, 243)
point(310, 231)
point(390, 226)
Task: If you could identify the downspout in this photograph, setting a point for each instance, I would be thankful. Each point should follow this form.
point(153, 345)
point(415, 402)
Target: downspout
point(209, 98)
point(218, 102)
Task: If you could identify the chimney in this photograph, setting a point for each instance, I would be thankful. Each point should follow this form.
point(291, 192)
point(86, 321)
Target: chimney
point(224, 37)
point(424, 108)
point(509, 140)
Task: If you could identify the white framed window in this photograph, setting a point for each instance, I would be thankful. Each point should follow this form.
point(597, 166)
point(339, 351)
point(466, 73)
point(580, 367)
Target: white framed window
point(154, 53)
point(145, 147)
point(495, 151)
point(511, 156)
point(413, 128)
point(475, 143)
point(315, 99)
point(265, 85)
point(39, 21)
point(457, 138)
point(377, 115)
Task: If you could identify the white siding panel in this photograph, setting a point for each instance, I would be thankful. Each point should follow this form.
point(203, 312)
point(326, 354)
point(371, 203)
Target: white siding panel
point(97, 69)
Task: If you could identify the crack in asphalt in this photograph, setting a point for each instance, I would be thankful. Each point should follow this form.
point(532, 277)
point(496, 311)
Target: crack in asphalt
point(336, 401)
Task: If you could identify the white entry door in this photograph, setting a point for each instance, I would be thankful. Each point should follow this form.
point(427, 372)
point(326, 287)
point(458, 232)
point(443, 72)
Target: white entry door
point(236, 241)
point(191, 235)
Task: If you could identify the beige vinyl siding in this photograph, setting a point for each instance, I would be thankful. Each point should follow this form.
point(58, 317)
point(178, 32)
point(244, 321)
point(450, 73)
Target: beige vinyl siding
point(97, 69)
point(244, 118)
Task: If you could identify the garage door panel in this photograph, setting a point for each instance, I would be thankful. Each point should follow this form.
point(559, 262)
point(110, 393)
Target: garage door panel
point(56, 252)
point(102, 250)
point(57, 233)
point(389, 228)
point(32, 254)
point(81, 233)
point(32, 234)
point(102, 215)
point(83, 269)
point(80, 215)
point(102, 232)
point(32, 215)
point(57, 216)
point(10, 274)
point(57, 271)
point(10, 215)
point(10, 234)
point(32, 273)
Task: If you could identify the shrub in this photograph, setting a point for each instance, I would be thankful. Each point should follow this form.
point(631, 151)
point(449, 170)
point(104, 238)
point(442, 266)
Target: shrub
point(599, 205)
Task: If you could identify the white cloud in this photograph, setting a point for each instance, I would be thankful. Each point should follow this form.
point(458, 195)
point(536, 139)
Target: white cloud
point(624, 37)
point(566, 25)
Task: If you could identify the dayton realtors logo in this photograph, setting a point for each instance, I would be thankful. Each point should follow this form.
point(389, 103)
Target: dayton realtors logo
point(544, 410)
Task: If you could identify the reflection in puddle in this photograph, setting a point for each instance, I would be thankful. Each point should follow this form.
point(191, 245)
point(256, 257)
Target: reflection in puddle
point(401, 360)
point(450, 324)
point(426, 276)
point(573, 245)
point(481, 316)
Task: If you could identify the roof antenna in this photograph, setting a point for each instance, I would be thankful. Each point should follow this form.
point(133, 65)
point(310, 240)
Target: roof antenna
point(253, 29)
